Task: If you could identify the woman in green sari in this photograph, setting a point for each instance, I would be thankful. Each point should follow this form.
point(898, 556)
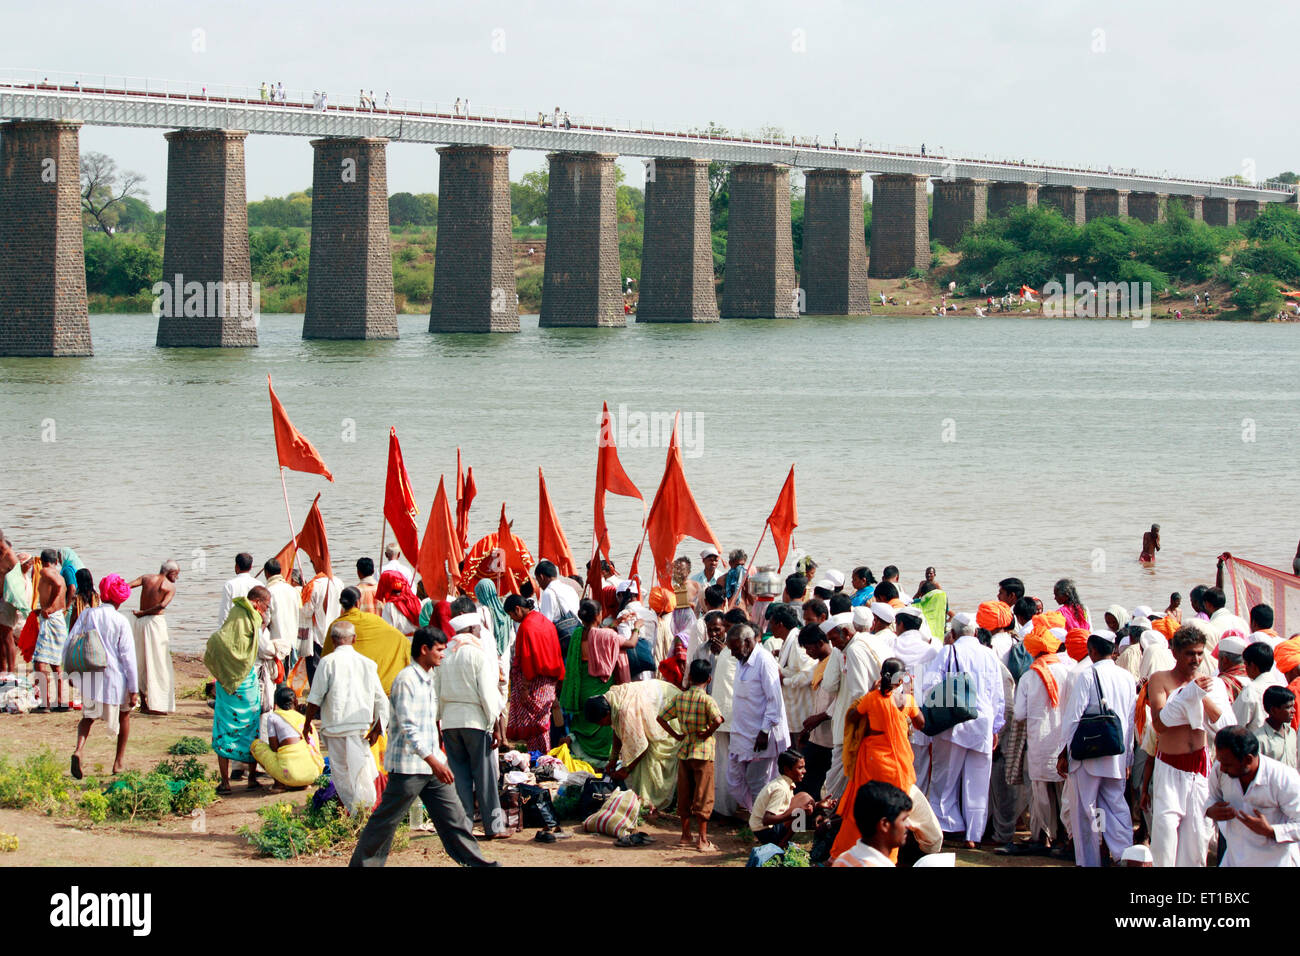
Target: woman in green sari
point(595, 662)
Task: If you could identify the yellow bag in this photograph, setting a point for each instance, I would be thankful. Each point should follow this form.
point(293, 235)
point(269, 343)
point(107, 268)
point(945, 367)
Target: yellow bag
point(572, 763)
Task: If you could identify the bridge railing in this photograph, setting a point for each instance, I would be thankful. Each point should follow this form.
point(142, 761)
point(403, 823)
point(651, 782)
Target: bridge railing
point(97, 84)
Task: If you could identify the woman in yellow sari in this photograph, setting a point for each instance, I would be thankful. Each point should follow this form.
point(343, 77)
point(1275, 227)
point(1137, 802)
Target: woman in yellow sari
point(289, 755)
point(644, 755)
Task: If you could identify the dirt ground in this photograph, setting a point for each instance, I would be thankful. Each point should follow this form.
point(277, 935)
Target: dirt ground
point(214, 839)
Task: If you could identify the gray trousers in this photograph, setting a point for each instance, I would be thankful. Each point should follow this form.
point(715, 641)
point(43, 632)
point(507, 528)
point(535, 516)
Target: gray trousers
point(444, 809)
point(469, 752)
point(1006, 803)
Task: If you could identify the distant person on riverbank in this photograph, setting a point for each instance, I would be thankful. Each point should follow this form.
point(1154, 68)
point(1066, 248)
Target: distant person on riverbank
point(13, 585)
point(52, 635)
point(1150, 544)
point(152, 647)
point(236, 587)
point(231, 658)
point(110, 694)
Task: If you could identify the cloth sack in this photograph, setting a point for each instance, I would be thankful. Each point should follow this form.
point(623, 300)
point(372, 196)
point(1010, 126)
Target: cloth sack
point(617, 817)
point(85, 653)
point(952, 701)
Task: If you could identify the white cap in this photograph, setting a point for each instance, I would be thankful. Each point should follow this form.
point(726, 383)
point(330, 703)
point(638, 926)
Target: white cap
point(884, 611)
point(1057, 632)
point(1140, 621)
point(837, 620)
point(1143, 611)
point(627, 585)
point(862, 617)
point(913, 613)
point(463, 622)
point(1230, 645)
point(1137, 853)
point(835, 577)
point(710, 553)
point(1151, 638)
point(961, 617)
point(826, 584)
point(936, 859)
point(1104, 634)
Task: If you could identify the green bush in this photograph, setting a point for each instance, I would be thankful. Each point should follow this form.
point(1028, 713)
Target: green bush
point(187, 770)
point(287, 832)
point(8, 843)
point(190, 745)
point(39, 782)
point(1259, 295)
point(1272, 257)
point(95, 806)
point(146, 796)
point(196, 794)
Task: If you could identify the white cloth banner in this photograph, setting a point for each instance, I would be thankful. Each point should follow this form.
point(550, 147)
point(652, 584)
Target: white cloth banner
point(1248, 584)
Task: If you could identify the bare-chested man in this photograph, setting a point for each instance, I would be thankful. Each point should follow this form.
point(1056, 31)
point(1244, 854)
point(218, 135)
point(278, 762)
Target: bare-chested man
point(8, 612)
point(51, 591)
point(152, 648)
point(1150, 545)
point(1176, 786)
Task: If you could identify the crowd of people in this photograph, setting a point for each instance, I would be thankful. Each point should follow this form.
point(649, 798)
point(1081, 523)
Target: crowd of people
point(881, 724)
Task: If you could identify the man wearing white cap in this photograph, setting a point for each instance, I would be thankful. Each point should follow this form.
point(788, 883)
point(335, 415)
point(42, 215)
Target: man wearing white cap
point(915, 651)
point(758, 726)
point(836, 579)
point(1139, 854)
point(1099, 806)
point(796, 668)
point(469, 702)
point(961, 758)
point(860, 671)
point(709, 576)
point(712, 647)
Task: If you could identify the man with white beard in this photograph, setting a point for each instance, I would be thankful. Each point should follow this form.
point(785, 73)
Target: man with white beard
point(915, 651)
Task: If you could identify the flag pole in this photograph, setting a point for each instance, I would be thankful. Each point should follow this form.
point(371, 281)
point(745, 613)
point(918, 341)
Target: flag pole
point(383, 538)
point(289, 514)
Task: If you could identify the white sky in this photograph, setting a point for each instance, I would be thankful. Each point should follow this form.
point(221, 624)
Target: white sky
point(1197, 88)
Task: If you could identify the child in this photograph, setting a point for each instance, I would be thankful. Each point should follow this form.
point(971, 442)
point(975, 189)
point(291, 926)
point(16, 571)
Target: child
point(881, 812)
point(1277, 739)
point(777, 805)
point(699, 716)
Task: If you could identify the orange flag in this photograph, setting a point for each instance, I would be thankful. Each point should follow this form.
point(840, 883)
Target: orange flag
point(292, 447)
point(513, 562)
point(551, 543)
point(399, 501)
point(440, 551)
point(610, 477)
point(674, 515)
point(312, 541)
point(784, 518)
point(465, 492)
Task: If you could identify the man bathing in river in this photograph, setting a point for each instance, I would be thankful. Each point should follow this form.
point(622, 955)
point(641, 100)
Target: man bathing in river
point(1150, 544)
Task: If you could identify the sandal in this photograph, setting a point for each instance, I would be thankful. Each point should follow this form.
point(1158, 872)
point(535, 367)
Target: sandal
point(708, 847)
point(225, 789)
point(76, 767)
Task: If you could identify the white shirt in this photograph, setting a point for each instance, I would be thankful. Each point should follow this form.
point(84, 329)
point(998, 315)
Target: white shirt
point(236, 587)
point(1002, 643)
point(397, 619)
point(1248, 708)
point(971, 657)
point(796, 683)
point(1224, 620)
point(860, 854)
point(1120, 693)
point(757, 707)
point(861, 671)
point(286, 604)
point(1042, 721)
point(321, 608)
point(346, 688)
point(1275, 793)
point(722, 685)
point(466, 684)
point(557, 600)
point(397, 565)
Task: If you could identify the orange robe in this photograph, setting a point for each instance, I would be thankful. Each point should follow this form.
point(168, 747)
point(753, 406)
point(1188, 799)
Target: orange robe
point(885, 754)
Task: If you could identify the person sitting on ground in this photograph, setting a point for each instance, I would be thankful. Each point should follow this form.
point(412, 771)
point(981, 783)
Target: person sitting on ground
point(881, 812)
point(778, 809)
point(292, 760)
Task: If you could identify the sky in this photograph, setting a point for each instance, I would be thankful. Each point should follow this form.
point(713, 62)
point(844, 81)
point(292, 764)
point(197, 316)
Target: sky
point(1191, 88)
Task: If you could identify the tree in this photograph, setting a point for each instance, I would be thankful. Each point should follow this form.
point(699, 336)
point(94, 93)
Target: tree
point(1286, 177)
point(1258, 295)
point(103, 188)
point(718, 174)
point(528, 197)
point(408, 209)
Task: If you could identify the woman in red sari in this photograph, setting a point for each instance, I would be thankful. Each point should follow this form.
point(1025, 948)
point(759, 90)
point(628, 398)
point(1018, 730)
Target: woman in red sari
point(885, 752)
point(536, 669)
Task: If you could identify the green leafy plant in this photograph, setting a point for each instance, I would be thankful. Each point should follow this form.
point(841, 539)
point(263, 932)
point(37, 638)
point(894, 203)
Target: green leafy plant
point(188, 769)
point(288, 832)
point(39, 782)
point(195, 795)
point(8, 843)
point(94, 805)
point(187, 746)
point(147, 796)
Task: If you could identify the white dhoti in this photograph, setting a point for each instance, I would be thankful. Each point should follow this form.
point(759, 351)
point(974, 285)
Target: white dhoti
point(352, 770)
point(1100, 809)
point(959, 788)
point(724, 805)
point(923, 823)
point(921, 761)
point(153, 658)
point(836, 781)
point(1044, 808)
point(1180, 830)
point(746, 777)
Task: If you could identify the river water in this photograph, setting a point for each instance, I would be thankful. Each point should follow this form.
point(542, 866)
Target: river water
point(985, 447)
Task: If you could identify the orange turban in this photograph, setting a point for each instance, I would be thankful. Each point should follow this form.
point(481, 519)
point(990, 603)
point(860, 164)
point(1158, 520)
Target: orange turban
point(1165, 626)
point(1053, 619)
point(661, 600)
point(1076, 642)
point(993, 616)
point(1042, 641)
point(1286, 656)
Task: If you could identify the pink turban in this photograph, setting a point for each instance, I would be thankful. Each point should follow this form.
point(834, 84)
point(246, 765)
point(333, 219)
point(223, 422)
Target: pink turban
point(113, 589)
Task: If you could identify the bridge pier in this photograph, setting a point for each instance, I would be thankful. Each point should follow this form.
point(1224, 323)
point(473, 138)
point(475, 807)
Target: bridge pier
point(834, 277)
point(1068, 200)
point(900, 225)
point(1106, 202)
point(1248, 209)
point(760, 279)
point(42, 261)
point(677, 246)
point(205, 251)
point(582, 283)
point(474, 277)
point(958, 205)
point(1006, 195)
point(350, 277)
point(1220, 211)
point(1192, 205)
point(1148, 207)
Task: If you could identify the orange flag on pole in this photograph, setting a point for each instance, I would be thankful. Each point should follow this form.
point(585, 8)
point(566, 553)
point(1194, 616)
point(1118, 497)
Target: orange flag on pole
point(292, 447)
point(513, 562)
point(610, 477)
point(784, 518)
point(399, 501)
point(311, 541)
point(551, 543)
point(440, 551)
point(465, 493)
point(674, 515)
